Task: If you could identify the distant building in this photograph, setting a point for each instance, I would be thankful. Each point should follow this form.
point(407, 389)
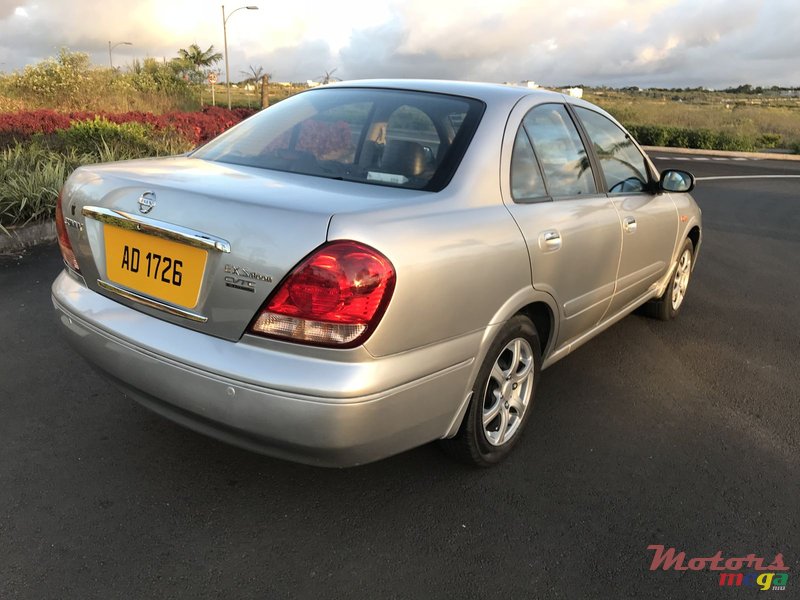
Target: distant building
point(575, 92)
point(531, 85)
point(311, 83)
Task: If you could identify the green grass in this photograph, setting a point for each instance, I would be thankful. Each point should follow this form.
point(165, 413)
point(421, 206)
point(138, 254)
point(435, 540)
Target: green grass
point(246, 99)
point(714, 119)
point(32, 173)
point(30, 180)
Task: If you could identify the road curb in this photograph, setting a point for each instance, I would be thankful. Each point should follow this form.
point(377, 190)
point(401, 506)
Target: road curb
point(721, 153)
point(27, 236)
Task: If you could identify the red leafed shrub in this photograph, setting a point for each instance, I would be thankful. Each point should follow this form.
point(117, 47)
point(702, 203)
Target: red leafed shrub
point(27, 122)
point(195, 127)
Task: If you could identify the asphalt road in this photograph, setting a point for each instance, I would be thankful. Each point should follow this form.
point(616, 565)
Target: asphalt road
point(683, 434)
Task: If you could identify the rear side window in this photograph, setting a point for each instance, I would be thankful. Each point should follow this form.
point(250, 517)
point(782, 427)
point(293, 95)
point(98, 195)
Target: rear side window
point(622, 164)
point(526, 177)
point(558, 146)
point(377, 136)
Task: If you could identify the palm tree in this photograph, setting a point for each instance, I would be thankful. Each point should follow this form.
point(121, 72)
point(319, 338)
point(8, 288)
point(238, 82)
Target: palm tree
point(253, 74)
point(328, 77)
point(196, 60)
point(256, 75)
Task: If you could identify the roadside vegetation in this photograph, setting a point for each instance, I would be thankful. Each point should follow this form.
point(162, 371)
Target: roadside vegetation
point(39, 149)
point(744, 119)
point(64, 112)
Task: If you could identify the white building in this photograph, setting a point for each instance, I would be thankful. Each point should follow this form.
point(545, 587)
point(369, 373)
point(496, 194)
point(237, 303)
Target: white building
point(575, 92)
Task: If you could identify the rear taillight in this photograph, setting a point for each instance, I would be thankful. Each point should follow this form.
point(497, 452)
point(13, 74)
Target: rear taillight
point(335, 297)
point(63, 239)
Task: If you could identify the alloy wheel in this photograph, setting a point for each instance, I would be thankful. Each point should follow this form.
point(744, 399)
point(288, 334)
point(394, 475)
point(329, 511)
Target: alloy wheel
point(508, 391)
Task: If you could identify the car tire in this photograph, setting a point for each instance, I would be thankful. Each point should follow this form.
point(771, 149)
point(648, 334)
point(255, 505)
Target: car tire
point(667, 306)
point(502, 397)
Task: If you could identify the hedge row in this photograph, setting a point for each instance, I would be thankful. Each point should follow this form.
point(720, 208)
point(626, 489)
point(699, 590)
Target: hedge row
point(704, 139)
point(39, 149)
point(194, 127)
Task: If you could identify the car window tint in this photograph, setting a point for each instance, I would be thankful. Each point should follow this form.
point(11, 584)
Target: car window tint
point(622, 163)
point(376, 136)
point(567, 171)
point(411, 124)
point(526, 178)
point(331, 135)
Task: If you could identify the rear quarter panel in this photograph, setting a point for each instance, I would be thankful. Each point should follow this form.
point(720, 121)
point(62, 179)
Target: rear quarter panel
point(456, 267)
point(460, 259)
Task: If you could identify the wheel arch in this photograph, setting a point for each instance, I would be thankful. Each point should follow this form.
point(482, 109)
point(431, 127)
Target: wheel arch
point(540, 308)
point(694, 235)
point(543, 319)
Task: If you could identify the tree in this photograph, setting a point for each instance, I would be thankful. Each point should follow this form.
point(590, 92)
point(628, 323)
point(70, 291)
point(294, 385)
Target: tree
point(265, 90)
point(197, 61)
point(253, 74)
point(256, 75)
point(328, 77)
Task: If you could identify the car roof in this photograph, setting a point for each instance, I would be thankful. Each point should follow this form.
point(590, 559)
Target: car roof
point(488, 92)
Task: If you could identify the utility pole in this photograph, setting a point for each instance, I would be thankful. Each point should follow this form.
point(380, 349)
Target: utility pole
point(110, 48)
point(225, 38)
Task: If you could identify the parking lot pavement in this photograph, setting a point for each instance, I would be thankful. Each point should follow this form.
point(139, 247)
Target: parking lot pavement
point(683, 434)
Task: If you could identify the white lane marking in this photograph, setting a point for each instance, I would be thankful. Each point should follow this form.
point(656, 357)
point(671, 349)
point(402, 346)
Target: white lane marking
point(705, 158)
point(747, 177)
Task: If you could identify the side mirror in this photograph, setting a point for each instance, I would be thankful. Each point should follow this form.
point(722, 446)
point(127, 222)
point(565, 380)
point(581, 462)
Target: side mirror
point(676, 181)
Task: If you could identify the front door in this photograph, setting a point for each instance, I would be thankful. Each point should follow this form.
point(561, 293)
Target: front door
point(649, 220)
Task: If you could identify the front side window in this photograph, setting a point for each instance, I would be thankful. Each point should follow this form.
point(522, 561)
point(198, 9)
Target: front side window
point(558, 146)
point(377, 136)
point(623, 165)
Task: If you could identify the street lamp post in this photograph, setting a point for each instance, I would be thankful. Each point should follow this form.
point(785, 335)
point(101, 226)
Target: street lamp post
point(225, 37)
point(111, 47)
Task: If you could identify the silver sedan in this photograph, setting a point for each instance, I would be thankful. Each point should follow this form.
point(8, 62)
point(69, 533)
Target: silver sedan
point(367, 267)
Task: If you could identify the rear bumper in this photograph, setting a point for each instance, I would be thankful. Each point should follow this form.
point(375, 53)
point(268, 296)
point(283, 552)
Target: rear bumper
point(196, 380)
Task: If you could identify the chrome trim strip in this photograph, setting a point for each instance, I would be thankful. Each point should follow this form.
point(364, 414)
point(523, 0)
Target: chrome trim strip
point(173, 310)
point(167, 231)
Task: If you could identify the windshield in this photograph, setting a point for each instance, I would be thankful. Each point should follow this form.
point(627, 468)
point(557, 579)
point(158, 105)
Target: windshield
point(377, 136)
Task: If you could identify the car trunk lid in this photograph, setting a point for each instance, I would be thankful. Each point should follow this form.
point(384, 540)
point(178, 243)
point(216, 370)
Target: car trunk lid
point(199, 243)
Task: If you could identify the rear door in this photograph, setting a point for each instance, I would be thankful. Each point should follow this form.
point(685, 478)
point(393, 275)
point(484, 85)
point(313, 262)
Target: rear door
point(572, 230)
point(649, 219)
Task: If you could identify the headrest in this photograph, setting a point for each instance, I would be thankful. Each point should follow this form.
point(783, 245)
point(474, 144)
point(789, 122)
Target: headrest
point(403, 157)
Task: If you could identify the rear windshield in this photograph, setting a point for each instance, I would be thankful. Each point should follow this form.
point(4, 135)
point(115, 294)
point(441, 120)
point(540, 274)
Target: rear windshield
point(376, 136)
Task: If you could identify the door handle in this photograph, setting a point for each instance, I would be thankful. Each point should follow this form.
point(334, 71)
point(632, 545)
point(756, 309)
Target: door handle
point(550, 240)
point(629, 224)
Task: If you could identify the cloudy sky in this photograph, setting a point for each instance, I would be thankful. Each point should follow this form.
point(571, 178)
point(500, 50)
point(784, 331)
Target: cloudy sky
point(616, 42)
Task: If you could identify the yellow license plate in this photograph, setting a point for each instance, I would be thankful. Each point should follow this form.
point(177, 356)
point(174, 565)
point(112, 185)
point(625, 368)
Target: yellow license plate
point(160, 268)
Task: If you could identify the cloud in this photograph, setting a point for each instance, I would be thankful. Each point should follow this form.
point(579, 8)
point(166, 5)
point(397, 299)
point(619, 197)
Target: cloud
point(307, 60)
point(675, 42)
point(616, 42)
point(7, 7)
